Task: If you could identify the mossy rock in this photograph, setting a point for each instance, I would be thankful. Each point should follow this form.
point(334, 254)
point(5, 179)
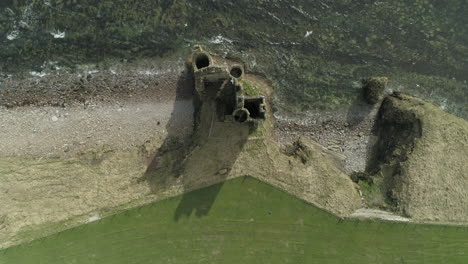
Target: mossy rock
point(374, 88)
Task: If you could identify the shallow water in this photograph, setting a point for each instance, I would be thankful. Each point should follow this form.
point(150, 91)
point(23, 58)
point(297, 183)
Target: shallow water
point(315, 52)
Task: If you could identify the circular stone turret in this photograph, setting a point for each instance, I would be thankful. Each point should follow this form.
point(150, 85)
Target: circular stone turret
point(201, 60)
point(241, 115)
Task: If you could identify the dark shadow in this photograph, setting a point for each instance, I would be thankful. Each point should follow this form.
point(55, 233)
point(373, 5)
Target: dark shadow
point(211, 160)
point(372, 163)
point(197, 203)
point(358, 111)
point(192, 162)
point(163, 163)
point(174, 143)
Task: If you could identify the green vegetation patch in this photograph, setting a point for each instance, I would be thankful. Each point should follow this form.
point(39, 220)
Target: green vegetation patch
point(250, 89)
point(246, 222)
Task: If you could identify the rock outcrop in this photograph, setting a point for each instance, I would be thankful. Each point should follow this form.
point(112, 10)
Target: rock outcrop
point(422, 156)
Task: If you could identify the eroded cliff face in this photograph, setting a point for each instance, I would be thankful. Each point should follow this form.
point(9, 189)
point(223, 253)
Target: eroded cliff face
point(420, 160)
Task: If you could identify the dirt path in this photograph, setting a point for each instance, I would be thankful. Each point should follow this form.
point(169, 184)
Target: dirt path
point(378, 214)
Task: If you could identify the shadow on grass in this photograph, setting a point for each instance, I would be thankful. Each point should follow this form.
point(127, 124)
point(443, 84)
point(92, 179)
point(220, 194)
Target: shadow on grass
point(197, 203)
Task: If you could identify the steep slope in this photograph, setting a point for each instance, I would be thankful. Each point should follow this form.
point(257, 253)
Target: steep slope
point(422, 157)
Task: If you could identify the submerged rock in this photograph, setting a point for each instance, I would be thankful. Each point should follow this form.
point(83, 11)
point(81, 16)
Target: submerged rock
point(422, 156)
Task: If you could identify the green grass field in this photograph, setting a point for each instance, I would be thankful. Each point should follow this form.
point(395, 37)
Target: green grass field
point(248, 222)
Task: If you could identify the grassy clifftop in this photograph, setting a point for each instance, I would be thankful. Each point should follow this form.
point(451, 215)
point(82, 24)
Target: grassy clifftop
point(249, 222)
